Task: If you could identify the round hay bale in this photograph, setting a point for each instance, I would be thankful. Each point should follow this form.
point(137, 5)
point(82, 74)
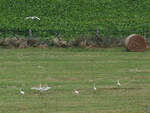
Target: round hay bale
point(135, 43)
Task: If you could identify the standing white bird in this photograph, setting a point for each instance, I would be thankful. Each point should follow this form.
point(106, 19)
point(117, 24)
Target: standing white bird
point(76, 92)
point(41, 89)
point(21, 91)
point(118, 83)
point(94, 88)
point(146, 108)
point(32, 17)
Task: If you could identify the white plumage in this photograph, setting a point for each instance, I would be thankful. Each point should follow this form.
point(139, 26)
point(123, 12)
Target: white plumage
point(32, 17)
point(146, 108)
point(21, 92)
point(94, 88)
point(76, 92)
point(118, 83)
point(41, 89)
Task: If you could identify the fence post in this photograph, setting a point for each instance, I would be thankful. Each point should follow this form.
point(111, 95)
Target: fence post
point(97, 32)
point(30, 34)
point(145, 33)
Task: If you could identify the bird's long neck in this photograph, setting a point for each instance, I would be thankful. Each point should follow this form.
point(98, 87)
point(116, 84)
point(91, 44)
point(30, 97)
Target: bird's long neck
point(94, 85)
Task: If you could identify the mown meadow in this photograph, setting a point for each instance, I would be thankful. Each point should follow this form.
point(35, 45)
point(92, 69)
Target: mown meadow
point(66, 69)
point(74, 68)
point(74, 18)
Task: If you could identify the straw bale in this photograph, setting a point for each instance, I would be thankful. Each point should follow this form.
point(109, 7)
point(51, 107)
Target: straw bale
point(135, 43)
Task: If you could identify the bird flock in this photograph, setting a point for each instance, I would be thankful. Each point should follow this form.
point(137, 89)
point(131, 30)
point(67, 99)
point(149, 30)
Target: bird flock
point(45, 88)
point(41, 89)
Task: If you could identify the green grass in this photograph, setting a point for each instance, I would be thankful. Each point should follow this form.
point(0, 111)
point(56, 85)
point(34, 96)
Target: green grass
point(73, 18)
point(68, 69)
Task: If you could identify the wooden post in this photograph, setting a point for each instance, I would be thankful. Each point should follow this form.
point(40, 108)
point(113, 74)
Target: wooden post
point(97, 32)
point(145, 33)
point(30, 34)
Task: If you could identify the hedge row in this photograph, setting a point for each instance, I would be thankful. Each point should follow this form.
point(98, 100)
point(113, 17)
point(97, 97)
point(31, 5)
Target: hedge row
point(71, 18)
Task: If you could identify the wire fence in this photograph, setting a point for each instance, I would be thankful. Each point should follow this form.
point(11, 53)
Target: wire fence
point(109, 31)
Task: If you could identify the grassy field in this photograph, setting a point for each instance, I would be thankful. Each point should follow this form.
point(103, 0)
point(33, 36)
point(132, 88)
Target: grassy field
point(68, 69)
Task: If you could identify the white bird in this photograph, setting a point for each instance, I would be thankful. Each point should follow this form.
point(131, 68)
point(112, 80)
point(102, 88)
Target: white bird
point(76, 92)
point(94, 88)
point(32, 17)
point(21, 92)
point(118, 83)
point(146, 108)
point(41, 89)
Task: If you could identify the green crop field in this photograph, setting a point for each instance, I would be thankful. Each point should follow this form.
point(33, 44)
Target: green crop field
point(67, 69)
point(73, 18)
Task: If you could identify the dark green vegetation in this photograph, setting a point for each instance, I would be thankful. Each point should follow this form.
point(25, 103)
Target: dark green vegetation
point(73, 18)
point(68, 69)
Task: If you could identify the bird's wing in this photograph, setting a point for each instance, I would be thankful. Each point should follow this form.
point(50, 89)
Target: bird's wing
point(37, 17)
point(35, 88)
point(76, 91)
point(22, 92)
point(27, 17)
point(45, 88)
